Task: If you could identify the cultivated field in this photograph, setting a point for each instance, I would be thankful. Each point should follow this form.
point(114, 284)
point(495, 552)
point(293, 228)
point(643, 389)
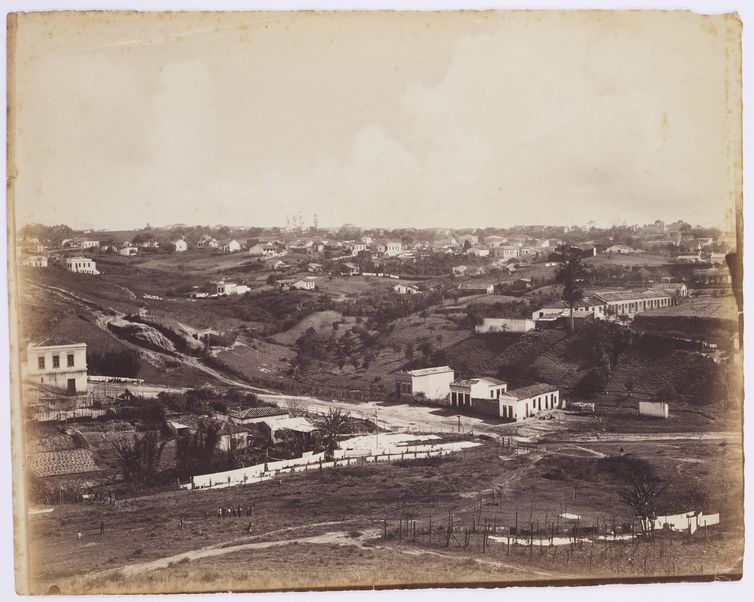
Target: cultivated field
point(335, 527)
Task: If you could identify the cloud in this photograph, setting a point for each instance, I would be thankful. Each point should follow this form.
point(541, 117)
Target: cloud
point(526, 118)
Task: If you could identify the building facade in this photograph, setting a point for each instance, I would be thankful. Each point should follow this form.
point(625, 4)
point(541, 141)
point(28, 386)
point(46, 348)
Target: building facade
point(525, 402)
point(433, 383)
point(59, 365)
point(81, 265)
point(467, 393)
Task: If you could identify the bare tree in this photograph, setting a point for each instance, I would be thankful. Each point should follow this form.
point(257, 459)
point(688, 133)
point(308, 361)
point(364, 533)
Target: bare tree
point(641, 495)
point(334, 424)
point(295, 407)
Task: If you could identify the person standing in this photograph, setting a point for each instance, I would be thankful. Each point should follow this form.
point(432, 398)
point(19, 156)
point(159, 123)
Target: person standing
point(102, 527)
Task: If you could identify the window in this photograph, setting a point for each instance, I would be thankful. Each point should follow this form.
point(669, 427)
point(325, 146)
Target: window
point(41, 362)
point(70, 360)
point(492, 393)
point(56, 361)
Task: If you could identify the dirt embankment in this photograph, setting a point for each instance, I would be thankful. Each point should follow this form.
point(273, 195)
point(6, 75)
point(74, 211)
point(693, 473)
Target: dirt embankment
point(142, 335)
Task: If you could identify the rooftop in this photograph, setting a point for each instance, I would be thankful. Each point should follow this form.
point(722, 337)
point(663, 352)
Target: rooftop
point(482, 379)
point(428, 371)
point(62, 462)
point(256, 412)
point(531, 391)
point(56, 342)
point(630, 295)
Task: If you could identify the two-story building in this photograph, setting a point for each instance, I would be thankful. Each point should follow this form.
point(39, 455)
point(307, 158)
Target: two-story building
point(81, 265)
point(58, 364)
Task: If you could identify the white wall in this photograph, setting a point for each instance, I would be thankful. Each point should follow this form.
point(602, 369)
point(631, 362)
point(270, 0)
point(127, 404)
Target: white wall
point(490, 325)
point(655, 409)
point(58, 377)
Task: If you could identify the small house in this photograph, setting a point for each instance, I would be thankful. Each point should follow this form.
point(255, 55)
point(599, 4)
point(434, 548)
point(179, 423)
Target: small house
point(406, 289)
point(433, 383)
point(230, 246)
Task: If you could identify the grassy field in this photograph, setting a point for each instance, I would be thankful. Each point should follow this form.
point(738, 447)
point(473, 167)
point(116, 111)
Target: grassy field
point(326, 529)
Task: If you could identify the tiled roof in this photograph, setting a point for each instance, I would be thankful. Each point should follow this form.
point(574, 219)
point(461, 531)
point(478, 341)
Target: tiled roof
point(69, 461)
point(257, 412)
point(532, 391)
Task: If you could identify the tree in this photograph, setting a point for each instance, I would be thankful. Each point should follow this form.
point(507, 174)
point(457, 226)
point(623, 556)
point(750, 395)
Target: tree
point(571, 274)
point(334, 425)
point(629, 385)
point(641, 496)
point(409, 351)
point(425, 347)
point(138, 459)
point(195, 452)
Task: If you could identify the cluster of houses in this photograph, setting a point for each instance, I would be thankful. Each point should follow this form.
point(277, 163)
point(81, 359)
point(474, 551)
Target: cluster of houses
point(483, 395)
point(240, 426)
point(600, 305)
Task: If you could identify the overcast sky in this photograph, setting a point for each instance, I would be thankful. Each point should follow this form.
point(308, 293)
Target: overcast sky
point(415, 120)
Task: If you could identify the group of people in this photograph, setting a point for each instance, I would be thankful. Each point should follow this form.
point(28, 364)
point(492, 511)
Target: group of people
point(238, 511)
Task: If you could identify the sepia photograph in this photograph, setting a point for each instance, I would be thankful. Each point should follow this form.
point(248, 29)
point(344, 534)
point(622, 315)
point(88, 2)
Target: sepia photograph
point(345, 300)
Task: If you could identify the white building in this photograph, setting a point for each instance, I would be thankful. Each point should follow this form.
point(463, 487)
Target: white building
point(351, 268)
point(632, 302)
point(230, 288)
point(128, 251)
point(307, 284)
point(356, 247)
point(406, 289)
point(181, 246)
point(36, 261)
point(654, 409)
point(58, 364)
point(433, 383)
point(393, 248)
point(206, 242)
point(619, 249)
point(479, 251)
point(525, 402)
point(88, 244)
point(506, 251)
point(230, 246)
point(463, 393)
point(81, 265)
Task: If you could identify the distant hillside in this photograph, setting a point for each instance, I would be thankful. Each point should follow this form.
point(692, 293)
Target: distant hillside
point(556, 357)
point(711, 319)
